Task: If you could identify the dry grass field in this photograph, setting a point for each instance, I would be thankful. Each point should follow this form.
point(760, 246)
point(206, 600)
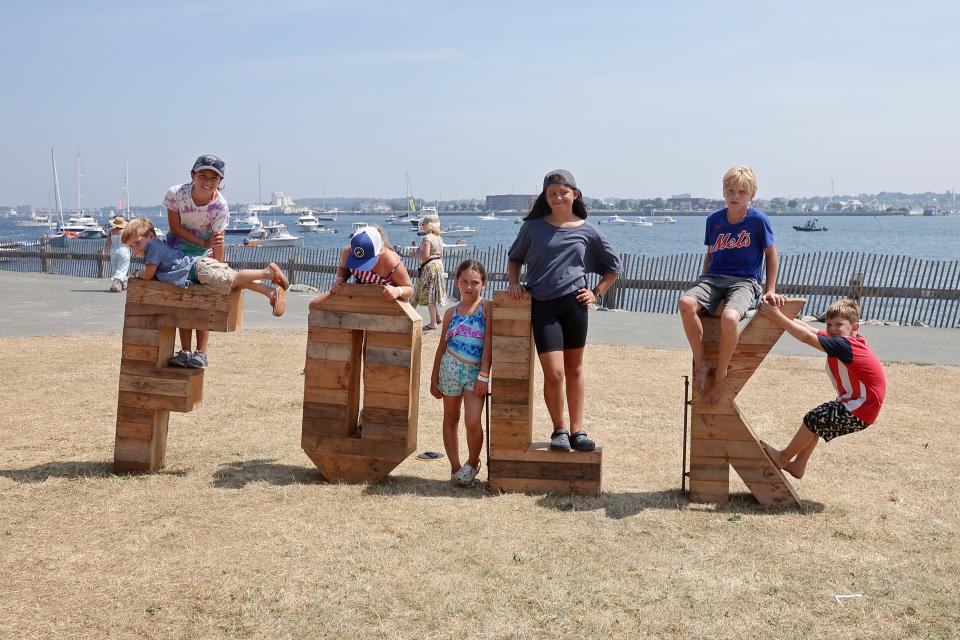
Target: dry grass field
point(240, 538)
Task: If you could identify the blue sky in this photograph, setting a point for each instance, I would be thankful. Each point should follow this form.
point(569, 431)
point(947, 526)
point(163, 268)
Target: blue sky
point(637, 99)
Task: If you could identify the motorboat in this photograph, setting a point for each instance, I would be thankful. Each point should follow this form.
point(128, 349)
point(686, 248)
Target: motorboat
point(244, 225)
point(274, 234)
point(457, 230)
point(92, 233)
point(811, 225)
point(360, 225)
point(328, 216)
point(489, 217)
point(37, 220)
point(308, 222)
point(664, 220)
point(640, 221)
point(83, 226)
point(615, 219)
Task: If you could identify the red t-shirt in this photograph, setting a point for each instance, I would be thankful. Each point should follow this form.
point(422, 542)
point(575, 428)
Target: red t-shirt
point(857, 374)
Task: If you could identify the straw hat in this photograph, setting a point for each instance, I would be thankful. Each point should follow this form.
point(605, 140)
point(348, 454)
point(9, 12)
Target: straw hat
point(118, 222)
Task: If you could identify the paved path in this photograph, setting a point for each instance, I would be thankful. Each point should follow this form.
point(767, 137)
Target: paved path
point(35, 304)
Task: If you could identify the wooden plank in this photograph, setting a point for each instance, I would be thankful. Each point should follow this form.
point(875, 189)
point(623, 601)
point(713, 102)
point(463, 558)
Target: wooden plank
point(707, 491)
point(180, 388)
point(385, 400)
point(153, 292)
point(325, 411)
point(327, 335)
point(712, 472)
point(388, 340)
point(384, 378)
point(719, 427)
point(352, 469)
point(511, 434)
point(180, 404)
point(321, 428)
point(326, 374)
point(510, 327)
point(514, 370)
point(134, 430)
point(509, 349)
point(541, 486)
point(391, 449)
point(503, 299)
point(137, 415)
point(329, 351)
point(540, 470)
point(345, 320)
point(146, 337)
point(726, 449)
point(540, 452)
point(139, 353)
point(510, 391)
point(325, 396)
point(388, 355)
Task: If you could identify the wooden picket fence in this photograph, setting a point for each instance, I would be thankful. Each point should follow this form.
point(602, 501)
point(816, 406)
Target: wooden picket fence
point(894, 288)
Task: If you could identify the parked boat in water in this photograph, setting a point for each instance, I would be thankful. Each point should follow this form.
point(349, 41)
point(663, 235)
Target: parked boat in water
point(244, 225)
point(274, 234)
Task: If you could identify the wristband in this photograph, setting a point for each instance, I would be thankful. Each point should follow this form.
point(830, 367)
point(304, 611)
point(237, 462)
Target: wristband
point(483, 378)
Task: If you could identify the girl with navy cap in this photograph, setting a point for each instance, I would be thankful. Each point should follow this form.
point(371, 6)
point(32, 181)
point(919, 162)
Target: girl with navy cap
point(559, 247)
point(370, 260)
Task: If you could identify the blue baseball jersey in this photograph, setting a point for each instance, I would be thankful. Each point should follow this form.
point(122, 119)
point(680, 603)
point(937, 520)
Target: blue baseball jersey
point(737, 249)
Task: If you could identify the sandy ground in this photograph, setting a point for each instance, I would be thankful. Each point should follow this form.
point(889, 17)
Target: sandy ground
point(239, 537)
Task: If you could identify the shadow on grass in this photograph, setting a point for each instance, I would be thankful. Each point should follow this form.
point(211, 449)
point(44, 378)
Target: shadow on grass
point(426, 487)
point(236, 475)
point(71, 469)
point(624, 505)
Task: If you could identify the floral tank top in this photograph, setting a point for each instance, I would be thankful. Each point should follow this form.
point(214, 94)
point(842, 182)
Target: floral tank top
point(465, 334)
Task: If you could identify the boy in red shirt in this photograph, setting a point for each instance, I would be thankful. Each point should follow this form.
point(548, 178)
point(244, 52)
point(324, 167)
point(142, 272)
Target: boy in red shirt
point(855, 372)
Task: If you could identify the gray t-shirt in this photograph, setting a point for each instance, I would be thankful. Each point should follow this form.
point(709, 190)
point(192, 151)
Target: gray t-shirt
point(558, 259)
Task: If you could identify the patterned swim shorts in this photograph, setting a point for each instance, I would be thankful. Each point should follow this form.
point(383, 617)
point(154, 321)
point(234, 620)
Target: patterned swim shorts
point(455, 376)
point(832, 419)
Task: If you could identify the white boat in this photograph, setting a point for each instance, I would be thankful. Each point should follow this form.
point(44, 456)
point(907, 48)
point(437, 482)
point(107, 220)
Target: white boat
point(487, 217)
point(308, 222)
point(359, 225)
point(615, 219)
point(244, 225)
point(640, 221)
point(457, 230)
point(328, 216)
point(424, 214)
point(83, 226)
point(37, 220)
point(664, 220)
point(274, 234)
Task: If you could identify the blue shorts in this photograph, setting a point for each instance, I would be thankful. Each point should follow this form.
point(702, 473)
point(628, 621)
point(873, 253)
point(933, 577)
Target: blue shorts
point(456, 377)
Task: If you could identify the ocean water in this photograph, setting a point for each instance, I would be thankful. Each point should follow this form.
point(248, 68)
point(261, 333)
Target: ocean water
point(933, 238)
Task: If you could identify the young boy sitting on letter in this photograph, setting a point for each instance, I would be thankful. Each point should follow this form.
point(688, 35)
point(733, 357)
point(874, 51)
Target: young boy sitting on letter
point(855, 371)
point(738, 239)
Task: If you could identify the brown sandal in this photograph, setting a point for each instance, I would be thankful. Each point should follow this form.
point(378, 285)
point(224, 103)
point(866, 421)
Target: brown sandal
point(279, 278)
point(278, 301)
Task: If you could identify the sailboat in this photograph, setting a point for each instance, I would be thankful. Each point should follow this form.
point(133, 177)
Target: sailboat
point(84, 227)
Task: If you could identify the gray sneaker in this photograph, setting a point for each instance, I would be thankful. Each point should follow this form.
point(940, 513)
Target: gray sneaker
point(182, 359)
point(467, 475)
point(198, 360)
point(116, 286)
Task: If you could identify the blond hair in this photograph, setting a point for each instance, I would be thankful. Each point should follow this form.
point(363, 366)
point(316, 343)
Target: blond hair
point(431, 227)
point(849, 310)
point(742, 179)
point(136, 229)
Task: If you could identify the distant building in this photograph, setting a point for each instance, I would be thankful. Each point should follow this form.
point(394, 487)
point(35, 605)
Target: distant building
point(512, 201)
point(684, 202)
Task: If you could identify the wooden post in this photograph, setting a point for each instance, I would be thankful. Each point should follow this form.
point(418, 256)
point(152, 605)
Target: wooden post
point(720, 435)
point(516, 462)
point(149, 389)
point(361, 385)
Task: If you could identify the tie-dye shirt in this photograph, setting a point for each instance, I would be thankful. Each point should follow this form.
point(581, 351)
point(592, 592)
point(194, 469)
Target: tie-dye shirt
point(465, 334)
point(202, 221)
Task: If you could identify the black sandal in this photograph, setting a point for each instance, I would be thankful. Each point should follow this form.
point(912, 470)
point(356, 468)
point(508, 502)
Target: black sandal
point(580, 442)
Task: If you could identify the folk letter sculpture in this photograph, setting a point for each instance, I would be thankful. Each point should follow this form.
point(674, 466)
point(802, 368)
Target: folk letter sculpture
point(516, 463)
point(149, 389)
point(361, 385)
point(721, 437)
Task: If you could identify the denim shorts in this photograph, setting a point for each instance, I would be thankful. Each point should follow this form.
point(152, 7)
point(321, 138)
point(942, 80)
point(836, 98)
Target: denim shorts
point(739, 293)
point(456, 376)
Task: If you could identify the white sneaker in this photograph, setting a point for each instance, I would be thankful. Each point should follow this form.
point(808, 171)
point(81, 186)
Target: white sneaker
point(116, 286)
point(467, 475)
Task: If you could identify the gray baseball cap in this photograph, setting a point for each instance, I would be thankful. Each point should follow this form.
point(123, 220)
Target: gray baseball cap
point(559, 176)
point(213, 163)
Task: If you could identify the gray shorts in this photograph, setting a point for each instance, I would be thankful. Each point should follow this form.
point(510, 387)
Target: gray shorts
point(740, 293)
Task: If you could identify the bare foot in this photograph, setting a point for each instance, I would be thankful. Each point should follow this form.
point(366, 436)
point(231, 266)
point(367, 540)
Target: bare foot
point(714, 392)
point(700, 377)
point(773, 454)
point(795, 469)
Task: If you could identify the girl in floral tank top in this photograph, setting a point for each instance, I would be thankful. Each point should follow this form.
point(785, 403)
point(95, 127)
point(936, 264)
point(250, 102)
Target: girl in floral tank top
point(461, 369)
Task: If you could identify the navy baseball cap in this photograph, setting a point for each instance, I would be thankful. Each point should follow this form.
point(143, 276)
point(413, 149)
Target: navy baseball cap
point(213, 163)
point(366, 244)
point(559, 176)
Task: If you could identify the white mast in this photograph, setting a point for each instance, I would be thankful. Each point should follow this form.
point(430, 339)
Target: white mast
point(126, 190)
point(56, 185)
point(79, 212)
